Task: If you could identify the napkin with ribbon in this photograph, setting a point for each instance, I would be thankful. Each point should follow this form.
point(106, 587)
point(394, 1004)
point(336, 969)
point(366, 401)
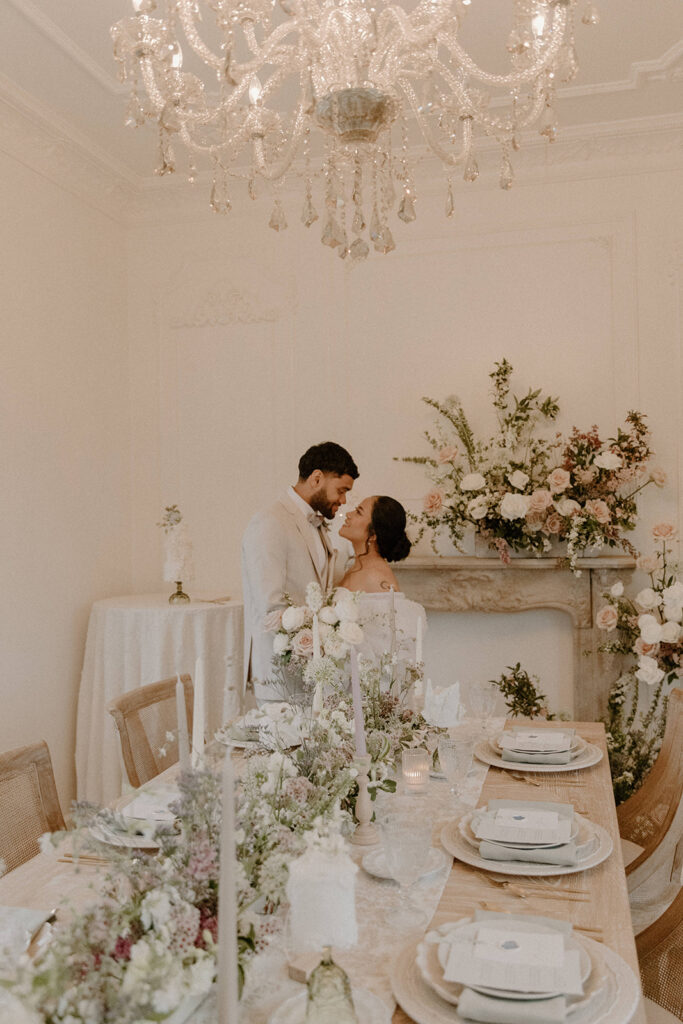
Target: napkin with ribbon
point(442, 706)
point(520, 746)
point(562, 855)
point(491, 1009)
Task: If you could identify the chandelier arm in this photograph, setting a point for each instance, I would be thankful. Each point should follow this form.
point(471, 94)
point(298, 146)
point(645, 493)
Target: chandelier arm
point(468, 109)
point(279, 170)
point(450, 159)
point(195, 40)
point(408, 35)
point(155, 94)
point(516, 78)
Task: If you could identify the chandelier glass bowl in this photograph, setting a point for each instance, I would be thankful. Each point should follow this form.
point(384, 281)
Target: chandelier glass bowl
point(334, 93)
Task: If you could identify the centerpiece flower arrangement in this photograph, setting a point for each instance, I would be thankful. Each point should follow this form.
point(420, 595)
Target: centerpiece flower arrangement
point(647, 630)
point(178, 560)
point(520, 489)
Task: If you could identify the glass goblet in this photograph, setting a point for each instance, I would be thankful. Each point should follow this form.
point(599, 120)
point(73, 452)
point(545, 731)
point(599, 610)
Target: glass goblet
point(455, 757)
point(406, 841)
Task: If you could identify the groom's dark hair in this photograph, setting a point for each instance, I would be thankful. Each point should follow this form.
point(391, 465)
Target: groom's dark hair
point(328, 457)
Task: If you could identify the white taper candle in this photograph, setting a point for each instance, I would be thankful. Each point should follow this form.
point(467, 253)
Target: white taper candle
point(228, 986)
point(316, 637)
point(199, 714)
point(359, 721)
point(183, 738)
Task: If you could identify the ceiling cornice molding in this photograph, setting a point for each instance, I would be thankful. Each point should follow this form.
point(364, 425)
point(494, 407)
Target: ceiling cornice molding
point(65, 43)
point(669, 65)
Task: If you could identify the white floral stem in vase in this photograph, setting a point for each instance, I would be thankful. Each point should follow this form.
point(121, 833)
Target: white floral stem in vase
point(183, 738)
point(228, 984)
point(199, 714)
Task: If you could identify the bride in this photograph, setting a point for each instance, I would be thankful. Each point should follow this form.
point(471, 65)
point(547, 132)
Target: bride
point(376, 528)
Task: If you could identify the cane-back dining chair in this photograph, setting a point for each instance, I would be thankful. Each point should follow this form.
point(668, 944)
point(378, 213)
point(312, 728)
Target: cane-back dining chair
point(29, 805)
point(651, 822)
point(660, 955)
point(147, 722)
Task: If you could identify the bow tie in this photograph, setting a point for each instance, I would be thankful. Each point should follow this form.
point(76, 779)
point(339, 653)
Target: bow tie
point(318, 520)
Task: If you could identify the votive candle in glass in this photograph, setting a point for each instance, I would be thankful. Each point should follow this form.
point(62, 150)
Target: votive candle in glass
point(415, 769)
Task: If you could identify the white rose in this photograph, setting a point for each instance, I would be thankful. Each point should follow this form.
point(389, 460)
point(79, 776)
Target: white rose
point(477, 508)
point(514, 506)
point(617, 590)
point(155, 909)
point(518, 479)
point(351, 632)
point(567, 507)
point(650, 629)
point(670, 632)
point(329, 614)
point(293, 618)
point(472, 482)
point(607, 460)
point(280, 643)
point(347, 610)
point(648, 598)
point(335, 646)
point(674, 593)
point(649, 671)
point(672, 612)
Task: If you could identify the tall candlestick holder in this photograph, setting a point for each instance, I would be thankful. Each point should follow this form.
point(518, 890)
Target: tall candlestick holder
point(365, 833)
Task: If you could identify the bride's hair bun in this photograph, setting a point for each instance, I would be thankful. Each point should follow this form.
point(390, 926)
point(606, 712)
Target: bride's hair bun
point(388, 523)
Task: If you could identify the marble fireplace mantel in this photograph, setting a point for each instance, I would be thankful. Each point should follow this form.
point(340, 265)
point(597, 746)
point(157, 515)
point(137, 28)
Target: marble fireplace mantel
point(460, 584)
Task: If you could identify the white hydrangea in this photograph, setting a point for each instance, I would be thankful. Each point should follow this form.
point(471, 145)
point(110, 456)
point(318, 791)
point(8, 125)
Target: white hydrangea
point(314, 597)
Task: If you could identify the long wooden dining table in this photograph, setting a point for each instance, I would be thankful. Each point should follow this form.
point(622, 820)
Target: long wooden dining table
point(595, 901)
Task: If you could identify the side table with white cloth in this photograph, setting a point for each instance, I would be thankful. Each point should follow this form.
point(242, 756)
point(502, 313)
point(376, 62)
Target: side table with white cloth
point(141, 639)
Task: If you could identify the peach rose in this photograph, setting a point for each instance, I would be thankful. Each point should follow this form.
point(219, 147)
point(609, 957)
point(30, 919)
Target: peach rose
point(433, 503)
point(664, 531)
point(559, 480)
point(302, 643)
point(540, 500)
point(641, 648)
point(553, 523)
point(607, 618)
point(273, 620)
point(647, 563)
point(585, 476)
point(447, 454)
point(658, 476)
point(599, 509)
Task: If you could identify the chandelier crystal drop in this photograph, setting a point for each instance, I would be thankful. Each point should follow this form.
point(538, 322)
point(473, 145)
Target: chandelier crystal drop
point(336, 93)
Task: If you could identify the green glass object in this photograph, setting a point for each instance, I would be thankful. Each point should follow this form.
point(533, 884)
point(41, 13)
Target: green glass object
point(329, 994)
point(179, 597)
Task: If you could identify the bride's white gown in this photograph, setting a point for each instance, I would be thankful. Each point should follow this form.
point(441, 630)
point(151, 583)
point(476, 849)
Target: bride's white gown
point(376, 614)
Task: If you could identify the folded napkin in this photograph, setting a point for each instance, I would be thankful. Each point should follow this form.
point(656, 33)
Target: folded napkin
point(551, 757)
point(561, 855)
point(442, 707)
point(17, 926)
point(537, 741)
point(152, 805)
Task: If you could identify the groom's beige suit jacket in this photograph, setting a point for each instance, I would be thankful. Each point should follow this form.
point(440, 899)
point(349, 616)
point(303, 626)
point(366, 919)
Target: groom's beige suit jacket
point(281, 554)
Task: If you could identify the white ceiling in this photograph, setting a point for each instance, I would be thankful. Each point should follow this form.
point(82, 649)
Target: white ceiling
point(56, 55)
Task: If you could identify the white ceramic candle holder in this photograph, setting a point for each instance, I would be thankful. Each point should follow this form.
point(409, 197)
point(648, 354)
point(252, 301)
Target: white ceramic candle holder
point(365, 833)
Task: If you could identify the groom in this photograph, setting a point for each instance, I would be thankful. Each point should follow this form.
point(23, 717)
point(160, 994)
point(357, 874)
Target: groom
point(285, 547)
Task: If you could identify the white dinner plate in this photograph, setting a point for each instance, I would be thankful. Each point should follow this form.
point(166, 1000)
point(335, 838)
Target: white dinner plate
point(224, 736)
point(580, 830)
point(369, 1009)
point(597, 849)
point(375, 863)
point(132, 838)
point(589, 756)
point(577, 745)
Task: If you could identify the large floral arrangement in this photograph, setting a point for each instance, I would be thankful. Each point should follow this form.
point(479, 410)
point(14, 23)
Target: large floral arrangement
point(178, 560)
point(521, 489)
point(647, 630)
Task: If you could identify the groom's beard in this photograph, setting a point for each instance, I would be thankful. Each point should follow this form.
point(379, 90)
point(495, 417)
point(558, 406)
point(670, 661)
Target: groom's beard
point(321, 503)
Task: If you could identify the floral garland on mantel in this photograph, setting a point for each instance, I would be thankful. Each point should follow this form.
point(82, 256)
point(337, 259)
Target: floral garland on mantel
point(520, 490)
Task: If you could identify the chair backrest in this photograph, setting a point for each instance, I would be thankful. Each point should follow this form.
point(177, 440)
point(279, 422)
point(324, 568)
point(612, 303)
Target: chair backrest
point(145, 718)
point(29, 805)
point(647, 816)
point(660, 955)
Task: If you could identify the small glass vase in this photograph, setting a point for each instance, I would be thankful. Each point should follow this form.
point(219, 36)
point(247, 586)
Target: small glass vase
point(329, 994)
point(179, 597)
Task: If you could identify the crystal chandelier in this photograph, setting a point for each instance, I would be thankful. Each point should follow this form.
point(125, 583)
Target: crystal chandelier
point(335, 92)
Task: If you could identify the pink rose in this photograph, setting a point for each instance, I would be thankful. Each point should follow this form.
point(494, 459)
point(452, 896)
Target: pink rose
point(599, 509)
point(559, 480)
point(273, 620)
point(647, 563)
point(433, 503)
point(447, 454)
point(540, 500)
point(585, 476)
point(553, 523)
point(641, 648)
point(302, 643)
point(658, 476)
point(664, 531)
point(607, 618)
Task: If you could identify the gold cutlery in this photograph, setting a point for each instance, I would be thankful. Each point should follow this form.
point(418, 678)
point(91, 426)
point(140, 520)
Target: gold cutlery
point(524, 891)
point(91, 860)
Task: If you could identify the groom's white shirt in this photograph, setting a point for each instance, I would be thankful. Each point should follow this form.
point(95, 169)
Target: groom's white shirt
point(282, 552)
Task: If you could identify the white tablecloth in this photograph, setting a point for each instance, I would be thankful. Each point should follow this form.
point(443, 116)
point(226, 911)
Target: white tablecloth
point(142, 639)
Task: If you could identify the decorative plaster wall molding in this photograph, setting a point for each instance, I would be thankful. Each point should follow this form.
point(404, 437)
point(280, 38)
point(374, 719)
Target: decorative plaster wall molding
point(225, 303)
point(641, 72)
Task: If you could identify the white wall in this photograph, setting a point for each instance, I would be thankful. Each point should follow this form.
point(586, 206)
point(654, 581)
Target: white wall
point(65, 430)
point(249, 346)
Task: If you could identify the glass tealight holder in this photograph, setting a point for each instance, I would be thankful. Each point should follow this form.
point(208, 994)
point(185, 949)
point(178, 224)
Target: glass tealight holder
point(415, 764)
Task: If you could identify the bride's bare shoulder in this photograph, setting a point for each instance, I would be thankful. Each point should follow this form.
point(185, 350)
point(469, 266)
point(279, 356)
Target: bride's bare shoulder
point(373, 580)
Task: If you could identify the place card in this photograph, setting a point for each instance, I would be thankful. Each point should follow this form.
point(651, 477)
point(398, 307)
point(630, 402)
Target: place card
point(518, 825)
point(543, 741)
point(515, 961)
